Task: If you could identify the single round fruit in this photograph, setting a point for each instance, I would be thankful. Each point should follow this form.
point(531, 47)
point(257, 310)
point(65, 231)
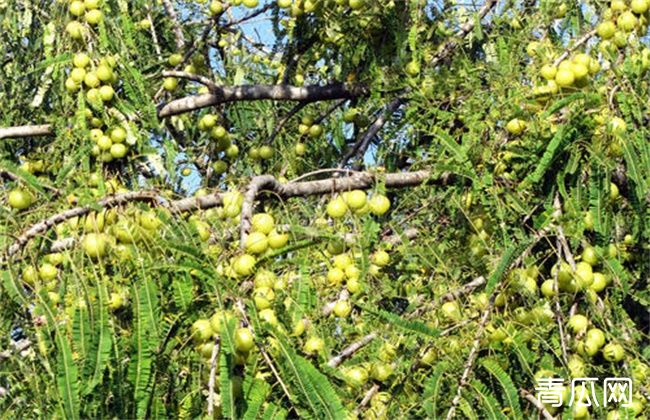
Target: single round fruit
point(94, 17)
point(266, 152)
point(78, 74)
point(91, 80)
point(627, 21)
point(251, 3)
point(244, 340)
point(639, 6)
point(335, 276)
point(118, 135)
point(19, 199)
point(94, 245)
point(104, 142)
point(201, 330)
point(244, 265)
point(381, 258)
point(578, 323)
point(342, 308)
point(314, 345)
point(216, 8)
point(412, 68)
point(337, 208)
point(613, 352)
point(596, 335)
point(170, 84)
point(343, 261)
point(106, 92)
point(81, 60)
point(613, 191)
point(92, 4)
point(451, 311)
point(564, 78)
point(263, 222)
point(547, 288)
point(356, 377)
point(516, 126)
point(75, 29)
point(356, 199)
point(606, 29)
point(300, 149)
point(590, 256)
point(599, 283)
point(381, 371)
point(548, 72)
point(77, 8)
point(584, 274)
point(379, 204)
point(47, 272)
point(256, 243)
point(268, 316)
point(315, 131)
point(277, 240)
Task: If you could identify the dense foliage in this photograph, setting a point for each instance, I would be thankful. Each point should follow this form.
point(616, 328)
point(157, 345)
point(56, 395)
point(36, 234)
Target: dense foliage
point(322, 208)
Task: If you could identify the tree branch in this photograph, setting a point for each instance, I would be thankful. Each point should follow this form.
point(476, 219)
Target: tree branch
point(258, 92)
point(534, 401)
point(193, 77)
point(26, 131)
point(464, 290)
point(350, 350)
point(360, 180)
point(176, 26)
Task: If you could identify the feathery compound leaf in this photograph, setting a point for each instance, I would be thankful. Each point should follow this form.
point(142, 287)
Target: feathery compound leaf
point(255, 399)
point(183, 291)
point(67, 374)
point(563, 133)
point(489, 403)
point(432, 388)
point(511, 395)
point(410, 325)
point(102, 341)
point(226, 386)
point(317, 392)
point(597, 203)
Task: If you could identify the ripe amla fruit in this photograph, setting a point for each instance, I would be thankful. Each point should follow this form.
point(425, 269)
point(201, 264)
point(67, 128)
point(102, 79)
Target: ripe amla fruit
point(613, 352)
point(95, 245)
point(356, 377)
point(244, 340)
point(355, 199)
point(337, 208)
point(342, 308)
point(263, 223)
point(379, 204)
point(201, 330)
point(516, 126)
point(313, 345)
point(19, 199)
point(256, 243)
point(244, 265)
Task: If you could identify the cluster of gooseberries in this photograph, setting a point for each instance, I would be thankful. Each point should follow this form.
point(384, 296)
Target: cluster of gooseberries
point(620, 21)
point(357, 202)
point(573, 72)
point(89, 9)
point(308, 127)
point(264, 235)
point(299, 7)
point(97, 78)
point(209, 124)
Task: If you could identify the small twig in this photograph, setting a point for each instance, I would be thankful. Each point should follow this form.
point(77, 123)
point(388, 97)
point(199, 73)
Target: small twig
point(366, 398)
point(323, 171)
point(350, 350)
point(534, 401)
point(361, 145)
point(193, 77)
point(242, 309)
point(558, 312)
point(213, 374)
point(154, 37)
point(464, 290)
point(176, 26)
point(280, 125)
point(574, 47)
point(250, 16)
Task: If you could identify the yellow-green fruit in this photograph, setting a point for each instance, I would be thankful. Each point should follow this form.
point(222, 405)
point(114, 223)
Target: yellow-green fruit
point(256, 243)
point(77, 8)
point(379, 204)
point(216, 8)
point(244, 265)
point(613, 352)
point(355, 199)
point(342, 308)
point(29, 275)
point(244, 340)
point(639, 6)
point(266, 152)
point(300, 149)
point(335, 276)
point(599, 283)
point(201, 330)
point(606, 29)
point(314, 345)
point(516, 126)
point(47, 272)
point(627, 21)
point(263, 222)
point(91, 80)
point(170, 84)
point(580, 71)
point(356, 377)
point(277, 240)
point(412, 68)
point(381, 258)
point(337, 208)
point(106, 92)
point(94, 17)
point(584, 274)
point(19, 199)
point(251, 3)
point(589, 255)
point(81, 60)
point(75, 29)
point(564, 78)
point(548, 71)
point(175, 59)
point(95, 245)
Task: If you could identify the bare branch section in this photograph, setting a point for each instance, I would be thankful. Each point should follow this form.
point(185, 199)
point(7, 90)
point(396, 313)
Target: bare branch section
point(350, 350)
point(26, 131)
point(360, 180)
point(534, 401)
point(464, 290)
point(265, 182)
point(586, 37)
point(259, 92)
point(193, 77)
point(176, 26)
point(359, 148)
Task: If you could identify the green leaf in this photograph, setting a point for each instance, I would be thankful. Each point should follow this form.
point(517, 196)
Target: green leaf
point(511, 395)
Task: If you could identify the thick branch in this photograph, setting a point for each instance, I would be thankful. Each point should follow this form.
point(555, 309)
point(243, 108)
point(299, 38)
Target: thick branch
point(464, 290)
point(26, 131)
point(359, 180)
point(534, 401)
point(258, 92)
